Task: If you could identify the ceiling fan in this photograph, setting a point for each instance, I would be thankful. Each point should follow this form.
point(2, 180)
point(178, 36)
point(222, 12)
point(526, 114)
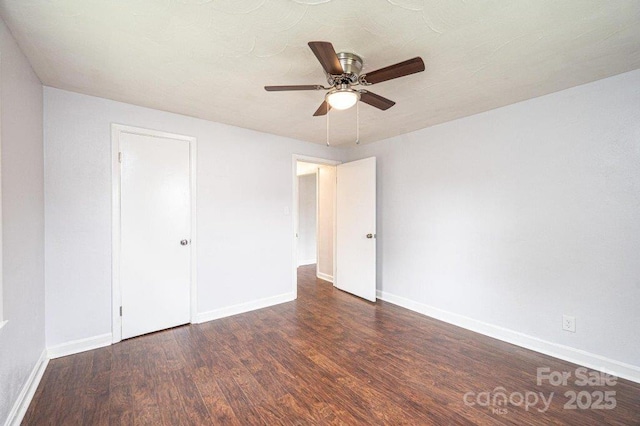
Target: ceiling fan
point(343, 73)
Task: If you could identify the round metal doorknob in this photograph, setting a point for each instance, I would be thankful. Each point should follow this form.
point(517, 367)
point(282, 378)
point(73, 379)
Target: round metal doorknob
point(369, 235)
point(184, 242)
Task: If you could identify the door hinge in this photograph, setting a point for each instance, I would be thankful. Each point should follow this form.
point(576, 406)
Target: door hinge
point(119, 157)
point(120, 310)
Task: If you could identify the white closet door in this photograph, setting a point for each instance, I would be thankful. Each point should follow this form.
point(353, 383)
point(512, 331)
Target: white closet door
point(155, 233)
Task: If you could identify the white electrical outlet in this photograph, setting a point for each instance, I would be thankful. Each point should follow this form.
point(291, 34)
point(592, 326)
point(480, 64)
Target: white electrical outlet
point(569, 323)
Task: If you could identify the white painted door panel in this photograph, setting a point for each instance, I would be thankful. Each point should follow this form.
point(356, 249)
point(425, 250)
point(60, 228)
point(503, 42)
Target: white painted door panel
point(155, 217)
point(355, 220)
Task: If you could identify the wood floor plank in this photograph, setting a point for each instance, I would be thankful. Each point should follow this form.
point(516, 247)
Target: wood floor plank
point(242, 408)
point(95, 410)
point(145, 405)
point(213, 398)
point(195, 410)
point(120, 405)
point(95, 395)
point(328, 358)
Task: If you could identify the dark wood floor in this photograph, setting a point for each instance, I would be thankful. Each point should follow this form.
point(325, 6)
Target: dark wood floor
point(327, 358)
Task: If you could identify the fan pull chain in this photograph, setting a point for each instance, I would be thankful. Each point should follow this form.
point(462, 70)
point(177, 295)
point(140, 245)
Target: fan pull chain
point(357, 123)
point(328, 125)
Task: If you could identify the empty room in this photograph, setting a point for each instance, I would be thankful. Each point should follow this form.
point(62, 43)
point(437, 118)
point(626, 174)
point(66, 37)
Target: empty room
point(313, 212)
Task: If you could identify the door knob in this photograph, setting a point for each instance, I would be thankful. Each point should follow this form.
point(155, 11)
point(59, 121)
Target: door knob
point(369, 235)
point(184, 242)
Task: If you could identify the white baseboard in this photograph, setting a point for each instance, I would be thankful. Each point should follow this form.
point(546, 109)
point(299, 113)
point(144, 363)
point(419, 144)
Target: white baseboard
point(325, 277)
point(567, 353)
point(81, 345)
point(244, 307)
point(28, 390)
point(306, 262)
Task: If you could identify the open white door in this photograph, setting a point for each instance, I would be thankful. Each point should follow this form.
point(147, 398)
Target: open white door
point(356, 228)
point(155, 233)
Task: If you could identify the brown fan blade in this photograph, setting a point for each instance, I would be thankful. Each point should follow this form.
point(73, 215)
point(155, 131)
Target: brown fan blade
point(376, 100)
point(302, 87)
point(401, 69)
point(326, 54)
point(323, 110)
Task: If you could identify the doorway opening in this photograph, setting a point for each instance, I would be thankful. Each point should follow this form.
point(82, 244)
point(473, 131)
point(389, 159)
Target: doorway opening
point(345, 223)
point(314, 218)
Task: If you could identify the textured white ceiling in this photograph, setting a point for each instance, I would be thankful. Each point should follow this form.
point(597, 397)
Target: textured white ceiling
point(211, 58)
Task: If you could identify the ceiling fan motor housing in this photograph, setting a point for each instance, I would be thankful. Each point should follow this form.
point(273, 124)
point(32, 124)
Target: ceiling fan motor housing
point(351, 64)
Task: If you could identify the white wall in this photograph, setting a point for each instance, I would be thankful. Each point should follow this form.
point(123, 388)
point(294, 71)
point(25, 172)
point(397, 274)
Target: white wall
point(307, 220)
point(244, 200)
point(22, 338)
point(326, 217)
point(516, 216)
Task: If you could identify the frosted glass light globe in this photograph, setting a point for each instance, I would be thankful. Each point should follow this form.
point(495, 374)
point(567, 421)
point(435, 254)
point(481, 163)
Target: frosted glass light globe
point(342, 98)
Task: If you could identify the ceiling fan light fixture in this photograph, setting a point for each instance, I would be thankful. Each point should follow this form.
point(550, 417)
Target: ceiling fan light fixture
point(343, 70)
point(342, 98)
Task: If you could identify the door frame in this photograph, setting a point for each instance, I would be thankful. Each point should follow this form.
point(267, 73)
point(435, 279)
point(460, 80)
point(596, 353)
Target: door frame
point(294, 214)
point(116, 291)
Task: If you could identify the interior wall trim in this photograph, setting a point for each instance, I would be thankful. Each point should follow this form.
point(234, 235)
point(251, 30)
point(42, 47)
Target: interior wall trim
point(325, 277)
point(25, 396)
point(244, 307)
point(80, 345)
point(566, 353)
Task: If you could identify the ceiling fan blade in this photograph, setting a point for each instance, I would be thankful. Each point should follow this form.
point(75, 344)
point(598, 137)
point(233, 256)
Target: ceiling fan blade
point(401, 69)
point(326, 54)
point(301, 87)
point(376, 100)
point(323, 110)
